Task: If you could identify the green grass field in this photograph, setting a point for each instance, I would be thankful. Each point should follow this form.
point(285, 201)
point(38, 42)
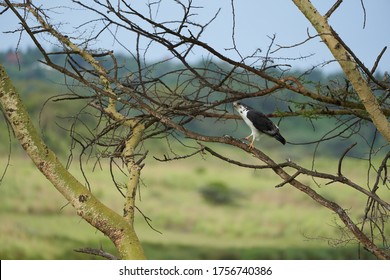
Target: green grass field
point(262, 223)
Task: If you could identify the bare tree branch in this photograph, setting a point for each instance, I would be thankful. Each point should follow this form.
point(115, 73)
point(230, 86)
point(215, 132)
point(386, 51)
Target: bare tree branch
point(332, 9)
point(96, 252)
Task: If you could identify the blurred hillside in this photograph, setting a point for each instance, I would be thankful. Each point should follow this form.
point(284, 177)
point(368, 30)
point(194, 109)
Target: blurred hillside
point(40, 85)
point(257, 221)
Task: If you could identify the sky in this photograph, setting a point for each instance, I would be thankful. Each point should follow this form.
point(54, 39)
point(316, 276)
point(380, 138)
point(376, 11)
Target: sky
point(255, 22)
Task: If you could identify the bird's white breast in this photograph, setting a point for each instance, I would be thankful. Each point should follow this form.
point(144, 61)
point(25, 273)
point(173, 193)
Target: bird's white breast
point(255, 132)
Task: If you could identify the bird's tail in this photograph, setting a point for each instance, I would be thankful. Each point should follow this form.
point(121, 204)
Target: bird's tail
point(280, 138)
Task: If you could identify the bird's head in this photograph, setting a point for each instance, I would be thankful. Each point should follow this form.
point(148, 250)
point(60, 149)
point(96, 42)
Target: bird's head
point(241, 108)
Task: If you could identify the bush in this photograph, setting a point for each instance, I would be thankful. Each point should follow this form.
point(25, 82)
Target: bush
point(218, 193)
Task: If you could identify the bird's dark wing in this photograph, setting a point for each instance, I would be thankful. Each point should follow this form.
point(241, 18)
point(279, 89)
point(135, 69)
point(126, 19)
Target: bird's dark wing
point(262, 123)
point(265, 125)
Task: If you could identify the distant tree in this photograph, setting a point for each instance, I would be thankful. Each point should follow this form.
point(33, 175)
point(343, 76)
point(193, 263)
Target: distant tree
point(134, 106)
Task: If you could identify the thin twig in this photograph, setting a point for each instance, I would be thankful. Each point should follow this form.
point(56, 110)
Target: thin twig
point(238, 163)
point(288, 180)
point(377, 60)
point(96, 252)
point(342, 157)
point(147, 220)
point(332, 9)
point(364, 14)
point(178, 157)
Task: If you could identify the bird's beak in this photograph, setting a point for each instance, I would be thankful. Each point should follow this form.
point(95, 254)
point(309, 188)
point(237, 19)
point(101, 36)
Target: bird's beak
point(235, 104)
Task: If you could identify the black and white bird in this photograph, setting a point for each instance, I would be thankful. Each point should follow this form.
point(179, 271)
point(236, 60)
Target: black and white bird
point(258, 123)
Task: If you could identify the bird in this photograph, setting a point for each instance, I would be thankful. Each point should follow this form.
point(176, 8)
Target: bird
point(258, 123)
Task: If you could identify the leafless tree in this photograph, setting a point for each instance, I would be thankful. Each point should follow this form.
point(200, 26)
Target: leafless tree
point(134, 105)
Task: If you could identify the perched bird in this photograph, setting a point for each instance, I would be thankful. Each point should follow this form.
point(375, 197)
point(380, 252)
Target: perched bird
point(258, 123)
